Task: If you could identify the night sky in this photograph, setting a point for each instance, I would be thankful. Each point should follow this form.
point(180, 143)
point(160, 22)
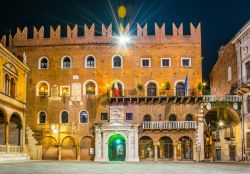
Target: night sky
point(220, 19)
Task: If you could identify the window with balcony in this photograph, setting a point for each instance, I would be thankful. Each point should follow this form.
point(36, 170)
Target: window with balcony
point(180, 89)
point(145, 62)
point(147, 118)
point(189, 118)
point(64, 117)
point(172, 118)
point(84, 117)
point(151, 90)
point(90, 62)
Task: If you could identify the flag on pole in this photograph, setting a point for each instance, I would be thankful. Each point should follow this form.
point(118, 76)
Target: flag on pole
point(186, 85)
point(116, 91)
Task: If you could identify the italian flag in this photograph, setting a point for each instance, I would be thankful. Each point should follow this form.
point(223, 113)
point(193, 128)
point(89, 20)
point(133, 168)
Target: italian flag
point(116, 91)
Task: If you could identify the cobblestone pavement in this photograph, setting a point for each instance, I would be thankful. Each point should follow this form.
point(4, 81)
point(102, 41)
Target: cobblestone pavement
point(75, 167)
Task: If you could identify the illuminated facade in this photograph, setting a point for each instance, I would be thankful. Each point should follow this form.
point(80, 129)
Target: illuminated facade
point(13, 76)
point(74, 114)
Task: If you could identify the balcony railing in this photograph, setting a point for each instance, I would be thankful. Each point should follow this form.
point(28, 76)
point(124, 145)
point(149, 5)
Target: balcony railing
point(169, 125)
point(227, 98)
point(157, 93)
point(244, 80)
point(10, 149)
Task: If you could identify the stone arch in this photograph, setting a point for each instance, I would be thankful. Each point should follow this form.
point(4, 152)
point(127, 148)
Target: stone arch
point(185, 148)
point(49, 148)
point(231, 118)
point(146, 147)
point(68, 148)
point(3, 121)
point(87, 144)
point(117, 147)
point(15, 129)
point(166, 147)
point(189, 117)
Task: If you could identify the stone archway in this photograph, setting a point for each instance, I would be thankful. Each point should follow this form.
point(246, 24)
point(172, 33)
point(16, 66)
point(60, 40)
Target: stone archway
point(2, 128)
point(15, 130)
point(166, 147)
point(146, 148)
point(49, 149)
point(185, 149)
point(68, 149)
point(222, 133)
point(117, 148)
point(86, 148)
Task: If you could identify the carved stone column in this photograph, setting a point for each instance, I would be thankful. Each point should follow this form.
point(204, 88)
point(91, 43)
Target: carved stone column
point(7, 125)
point(98, 144)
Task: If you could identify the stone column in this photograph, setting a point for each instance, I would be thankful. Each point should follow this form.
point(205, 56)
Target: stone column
point(105, 147)
point(156, 152)
point(78, 152)
point(196, 152)
point(175, 151)
point(59, 152)
point(7, 125)
point(200, 132)
point(98, 144)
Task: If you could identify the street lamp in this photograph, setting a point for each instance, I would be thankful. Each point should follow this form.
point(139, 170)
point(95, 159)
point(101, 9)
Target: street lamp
point(221, 123)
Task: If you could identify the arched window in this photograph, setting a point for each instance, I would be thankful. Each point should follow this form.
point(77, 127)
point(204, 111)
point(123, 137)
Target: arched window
point(172, 118)
point(64, 117)
point(151, 90)
point(117, 62)
point(7, 84)
point(43, 89)
point(42, 117)
point(147, 118)
point(90, 62)
point(84, 117)
point(44, 64)
point(180, 89)
point(66, 62)
point(90, 88)
point(120, 89)
point(189, 117)
point(12, 87)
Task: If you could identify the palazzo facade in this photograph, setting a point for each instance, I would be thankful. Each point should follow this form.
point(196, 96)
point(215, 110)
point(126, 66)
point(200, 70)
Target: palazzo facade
point(73, 112)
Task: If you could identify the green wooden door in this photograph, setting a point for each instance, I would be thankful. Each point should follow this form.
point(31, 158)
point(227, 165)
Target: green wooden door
point(117, 148)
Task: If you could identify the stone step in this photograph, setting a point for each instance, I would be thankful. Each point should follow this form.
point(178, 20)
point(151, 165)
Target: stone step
point(14, 157)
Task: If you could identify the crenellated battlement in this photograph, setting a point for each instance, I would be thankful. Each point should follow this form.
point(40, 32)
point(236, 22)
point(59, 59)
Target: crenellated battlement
point(20, 38)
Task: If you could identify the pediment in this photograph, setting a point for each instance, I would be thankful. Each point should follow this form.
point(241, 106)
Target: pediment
point(116, 124)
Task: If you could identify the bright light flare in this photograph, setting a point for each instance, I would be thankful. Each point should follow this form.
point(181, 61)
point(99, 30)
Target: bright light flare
point(123, 39)
point(221, 123)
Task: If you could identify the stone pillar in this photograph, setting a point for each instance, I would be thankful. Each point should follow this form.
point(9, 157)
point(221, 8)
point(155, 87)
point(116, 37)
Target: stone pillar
point(105, 147)
point(98, 144)
point(59, 152)
point(175, 151)
point(196, 153)
point(7, 125)
point(78, 152)
point(156, 151)
point(200, 132)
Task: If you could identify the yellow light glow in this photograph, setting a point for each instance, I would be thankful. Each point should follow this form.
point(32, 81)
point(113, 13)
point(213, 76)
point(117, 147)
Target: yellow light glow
point(122, 11)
